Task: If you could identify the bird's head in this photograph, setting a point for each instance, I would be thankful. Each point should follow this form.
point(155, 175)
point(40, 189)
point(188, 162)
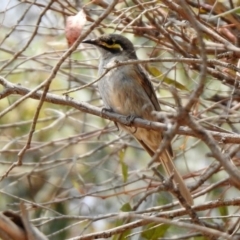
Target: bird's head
point(113, 45)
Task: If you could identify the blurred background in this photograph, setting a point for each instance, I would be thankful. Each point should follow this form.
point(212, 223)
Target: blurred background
point(80, 172)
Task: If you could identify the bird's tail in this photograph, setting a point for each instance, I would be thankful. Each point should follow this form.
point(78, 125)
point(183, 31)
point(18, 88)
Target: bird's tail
point(178, 180)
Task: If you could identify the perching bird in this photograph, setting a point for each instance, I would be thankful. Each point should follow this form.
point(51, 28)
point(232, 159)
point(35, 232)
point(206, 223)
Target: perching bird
point(128, 91)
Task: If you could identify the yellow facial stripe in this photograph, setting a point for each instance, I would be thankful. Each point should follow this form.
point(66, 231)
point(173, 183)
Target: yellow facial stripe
point(112, 46)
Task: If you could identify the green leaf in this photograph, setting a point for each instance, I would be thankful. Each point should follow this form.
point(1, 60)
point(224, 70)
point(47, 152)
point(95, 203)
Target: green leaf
point(153, 232)
point(123, 236)
point(126, 207)
point(123, 165)
point(200, 238)
point(223, 210)
point(158, 74)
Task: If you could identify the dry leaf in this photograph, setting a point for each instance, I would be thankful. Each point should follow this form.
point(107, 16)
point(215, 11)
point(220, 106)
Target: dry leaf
point(74, 26)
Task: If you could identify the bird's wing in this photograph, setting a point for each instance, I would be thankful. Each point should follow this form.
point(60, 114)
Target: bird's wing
point(148, 87)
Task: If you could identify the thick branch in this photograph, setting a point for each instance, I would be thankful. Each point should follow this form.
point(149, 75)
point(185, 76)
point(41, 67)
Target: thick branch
point(11, 89)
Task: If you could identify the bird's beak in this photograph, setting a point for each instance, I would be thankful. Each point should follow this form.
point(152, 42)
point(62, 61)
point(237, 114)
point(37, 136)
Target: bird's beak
point(91, 41)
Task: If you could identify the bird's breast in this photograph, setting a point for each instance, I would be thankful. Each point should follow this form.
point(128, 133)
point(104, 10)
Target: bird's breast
point(122, 93)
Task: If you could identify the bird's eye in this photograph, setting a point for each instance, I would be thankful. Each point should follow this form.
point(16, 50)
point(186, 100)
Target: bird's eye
point(110, 41)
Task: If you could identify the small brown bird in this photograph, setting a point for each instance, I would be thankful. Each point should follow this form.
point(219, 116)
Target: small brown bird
point(128, 91)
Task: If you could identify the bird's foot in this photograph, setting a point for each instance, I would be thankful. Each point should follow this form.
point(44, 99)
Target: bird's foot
point(106, 110)
point(130, 119)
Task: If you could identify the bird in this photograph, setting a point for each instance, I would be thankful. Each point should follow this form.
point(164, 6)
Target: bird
point(127, 90)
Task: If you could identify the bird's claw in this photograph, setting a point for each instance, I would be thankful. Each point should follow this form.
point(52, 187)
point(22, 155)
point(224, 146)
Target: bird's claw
point(130, 119)
point(106, 110)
